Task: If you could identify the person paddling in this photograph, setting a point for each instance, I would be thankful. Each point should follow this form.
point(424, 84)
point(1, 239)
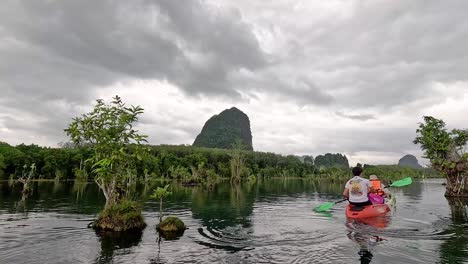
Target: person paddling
point(357, 188)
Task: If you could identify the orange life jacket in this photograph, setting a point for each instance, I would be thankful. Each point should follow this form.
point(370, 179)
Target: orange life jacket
point(377, 187)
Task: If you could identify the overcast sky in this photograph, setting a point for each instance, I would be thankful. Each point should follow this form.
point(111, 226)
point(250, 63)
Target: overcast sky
point(345, 76)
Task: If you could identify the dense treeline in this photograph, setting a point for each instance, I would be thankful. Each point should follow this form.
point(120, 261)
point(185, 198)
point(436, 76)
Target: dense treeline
point(172, 162)
point(191, 164)
point(398, 172)
point(59, 163)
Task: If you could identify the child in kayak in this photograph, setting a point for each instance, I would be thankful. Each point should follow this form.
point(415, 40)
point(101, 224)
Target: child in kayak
point(378, 196)
point(357, 189)
point(378, 186)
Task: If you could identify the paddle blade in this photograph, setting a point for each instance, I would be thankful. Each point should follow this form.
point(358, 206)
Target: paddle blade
point(402, 182)
point(324, 207)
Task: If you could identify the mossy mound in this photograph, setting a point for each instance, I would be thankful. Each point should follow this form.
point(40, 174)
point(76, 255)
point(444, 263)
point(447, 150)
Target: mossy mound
point(123, 216)
point(171, 227)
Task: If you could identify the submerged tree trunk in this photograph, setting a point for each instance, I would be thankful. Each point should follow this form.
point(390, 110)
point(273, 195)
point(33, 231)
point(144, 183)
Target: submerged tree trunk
point(160, 209)
point(110, 192)
point(457, 185)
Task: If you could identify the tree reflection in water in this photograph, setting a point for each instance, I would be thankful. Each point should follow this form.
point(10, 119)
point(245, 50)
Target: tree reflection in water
point(363, 232)
point(455, 249)
point(111, 241)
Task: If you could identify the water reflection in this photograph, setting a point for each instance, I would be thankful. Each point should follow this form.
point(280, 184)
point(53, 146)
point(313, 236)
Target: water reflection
point(455, 249)
point(365, 239)
point(114, 241)
point(413, 191)
point(270, 221)
point(79, 188)
point(225, 214)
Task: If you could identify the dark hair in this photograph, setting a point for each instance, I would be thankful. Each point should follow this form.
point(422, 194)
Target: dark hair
point(357, 171)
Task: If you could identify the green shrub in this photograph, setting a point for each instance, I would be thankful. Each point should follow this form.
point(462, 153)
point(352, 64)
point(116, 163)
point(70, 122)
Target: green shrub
point(123, 216)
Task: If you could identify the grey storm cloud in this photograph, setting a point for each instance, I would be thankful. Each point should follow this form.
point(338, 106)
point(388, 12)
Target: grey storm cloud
point(360, 61)
point(389, 52)
point(88, 43)
point(362, 117)
point(63, 50)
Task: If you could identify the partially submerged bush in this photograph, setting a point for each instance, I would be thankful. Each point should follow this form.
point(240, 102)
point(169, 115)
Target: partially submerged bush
point(123, 216)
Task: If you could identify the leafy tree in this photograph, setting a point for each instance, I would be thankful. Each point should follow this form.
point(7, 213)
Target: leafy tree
point(13, 159)
point(237, 161)
point(108, 131)
point(161, 194)
point(2, 164)
point(446, 151)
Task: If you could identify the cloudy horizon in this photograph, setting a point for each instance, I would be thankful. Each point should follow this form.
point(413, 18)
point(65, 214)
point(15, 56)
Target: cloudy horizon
point(314, 77)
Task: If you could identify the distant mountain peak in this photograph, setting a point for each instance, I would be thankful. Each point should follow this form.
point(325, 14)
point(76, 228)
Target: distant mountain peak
point(409, 161)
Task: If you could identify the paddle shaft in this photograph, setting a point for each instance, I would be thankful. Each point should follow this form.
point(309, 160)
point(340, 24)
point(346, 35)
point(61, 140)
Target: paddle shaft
point(340, 201)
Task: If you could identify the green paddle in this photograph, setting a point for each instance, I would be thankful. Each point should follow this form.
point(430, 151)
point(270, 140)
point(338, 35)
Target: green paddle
point(325, 207)
point(402, 182)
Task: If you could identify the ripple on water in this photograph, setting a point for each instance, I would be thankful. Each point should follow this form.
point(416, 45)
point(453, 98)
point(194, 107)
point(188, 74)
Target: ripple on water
point(232, 239)
point(25, 237)
point(271, 227)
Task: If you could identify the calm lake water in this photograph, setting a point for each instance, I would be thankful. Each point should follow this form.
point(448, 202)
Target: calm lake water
point(266, 222)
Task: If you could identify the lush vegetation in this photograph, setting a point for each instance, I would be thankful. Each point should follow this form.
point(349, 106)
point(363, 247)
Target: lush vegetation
point(50, 162)
point(447, 152)
point(122, 216)
point(187, 164)
point(395, 172)
point(223, 130)
point(161, 194)
point(115, 148)
point(169, 162)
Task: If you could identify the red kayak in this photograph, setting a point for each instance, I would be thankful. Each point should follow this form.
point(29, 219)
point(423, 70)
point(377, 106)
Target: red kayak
point(357, 212)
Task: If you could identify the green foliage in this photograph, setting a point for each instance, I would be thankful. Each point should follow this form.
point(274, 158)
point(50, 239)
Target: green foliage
point(164, 161)
point(179, 172)
point(447, 152)
point(397, 172)
point(115, 144)
point(49, 161)
point(2, 164)
point(123, 216)
point(161, 193)
point(222, 131)
point(331, 160)
point(434, 139)
point(237, 162)
point(252, 179)
point(13, 159)
point(443, 148)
